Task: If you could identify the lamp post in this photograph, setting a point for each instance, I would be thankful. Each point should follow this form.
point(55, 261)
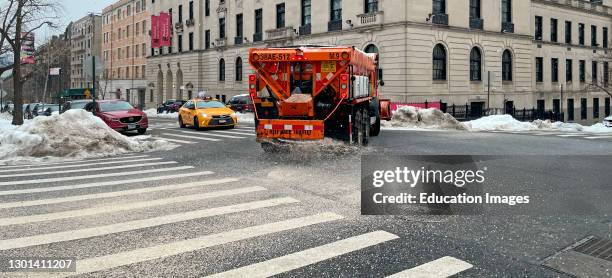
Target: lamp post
point(561, 104)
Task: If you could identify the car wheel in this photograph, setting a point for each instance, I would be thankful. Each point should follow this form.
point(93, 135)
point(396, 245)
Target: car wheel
point(142, 131)
point(196, 123)
point(181, 124)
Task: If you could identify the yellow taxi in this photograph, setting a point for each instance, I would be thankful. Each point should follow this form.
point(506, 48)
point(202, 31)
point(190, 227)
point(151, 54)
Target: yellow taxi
point(201, 113)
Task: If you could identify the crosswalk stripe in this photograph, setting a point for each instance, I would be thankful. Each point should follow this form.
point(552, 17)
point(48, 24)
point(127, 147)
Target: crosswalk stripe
point(118, 174)
point(234, 132)
point(123, 207)
point(310, 256)
point(64, 162)
point(598, 137)
point(114, 193)
point(79, 165)
point(107, 183)
point(191, 137)
point(570, 135)
point(213, 134)
point(440, 268)
point(136, 165)
point(175, 248)
point(21, 242)
point(175, 140)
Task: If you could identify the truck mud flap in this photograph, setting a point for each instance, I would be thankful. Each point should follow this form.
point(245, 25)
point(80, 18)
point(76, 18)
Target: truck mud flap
point(290, 130)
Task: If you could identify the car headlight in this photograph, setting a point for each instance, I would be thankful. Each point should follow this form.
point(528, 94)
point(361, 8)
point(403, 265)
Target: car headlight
point(233, 115)
point(204, 115)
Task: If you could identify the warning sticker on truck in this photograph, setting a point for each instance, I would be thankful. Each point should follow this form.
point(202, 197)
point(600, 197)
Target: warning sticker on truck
point(328, 66)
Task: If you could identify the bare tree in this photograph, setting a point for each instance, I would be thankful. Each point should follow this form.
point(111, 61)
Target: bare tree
point(20, 19)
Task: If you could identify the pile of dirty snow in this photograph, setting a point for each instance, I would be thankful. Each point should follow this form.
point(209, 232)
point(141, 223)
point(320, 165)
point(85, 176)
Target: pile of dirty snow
point(74, 134)
point(245, 118)
point(152, 113)
point(6, 116)
point(508, 123)
point(413, 117)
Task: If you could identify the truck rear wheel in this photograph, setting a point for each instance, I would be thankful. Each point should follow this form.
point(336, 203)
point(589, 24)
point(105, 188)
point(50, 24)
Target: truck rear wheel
point(361, 127)
point(375, 131)
point(366, 127)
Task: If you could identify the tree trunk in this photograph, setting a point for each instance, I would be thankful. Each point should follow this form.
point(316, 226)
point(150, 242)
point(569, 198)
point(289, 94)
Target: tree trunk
point(17, 79)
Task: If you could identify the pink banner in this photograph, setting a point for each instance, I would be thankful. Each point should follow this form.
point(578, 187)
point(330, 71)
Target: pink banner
point(396, 105)
point(155, 36)
point(165, 28)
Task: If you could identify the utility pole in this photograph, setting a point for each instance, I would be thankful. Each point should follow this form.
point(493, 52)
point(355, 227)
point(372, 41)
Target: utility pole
point(561, 105)
point(488, 90)
point(93, 90)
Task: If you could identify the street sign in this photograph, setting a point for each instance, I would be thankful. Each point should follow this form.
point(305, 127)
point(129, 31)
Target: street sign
point(55, 71)
point(87, 93)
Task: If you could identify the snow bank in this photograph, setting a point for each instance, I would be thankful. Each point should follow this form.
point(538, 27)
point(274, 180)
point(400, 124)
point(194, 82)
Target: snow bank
point(6, 116)
point(245, 118)
point(508, 123)
point(74, 134)
point(152, 113)
point(412, 117)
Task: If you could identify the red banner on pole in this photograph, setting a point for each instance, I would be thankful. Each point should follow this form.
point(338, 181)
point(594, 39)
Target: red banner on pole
point(165, 28)
point(155, 36)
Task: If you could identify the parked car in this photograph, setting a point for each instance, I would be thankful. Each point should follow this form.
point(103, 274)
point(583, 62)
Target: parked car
point(120, 115)
point(50, 109)
point(176, 106)
point(165, 106)
point(74, 104)
point(201, 113)
point(608, 121)
point(241, 103)
point(28, 110)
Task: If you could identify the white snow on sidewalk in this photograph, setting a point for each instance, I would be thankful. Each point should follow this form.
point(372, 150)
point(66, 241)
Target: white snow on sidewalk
point(74, 134)
point(409, 117)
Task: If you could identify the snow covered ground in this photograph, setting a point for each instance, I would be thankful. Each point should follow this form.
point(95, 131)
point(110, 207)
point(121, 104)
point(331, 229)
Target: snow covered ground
point(243, 118)
point(74, 134)
point(433, 119)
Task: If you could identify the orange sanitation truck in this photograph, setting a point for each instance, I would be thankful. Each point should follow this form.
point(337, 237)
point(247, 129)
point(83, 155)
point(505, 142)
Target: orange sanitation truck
point(307, 93)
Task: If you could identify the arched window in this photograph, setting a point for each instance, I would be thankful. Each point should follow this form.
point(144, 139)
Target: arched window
point(371, 49)
point(221, 70)
point(238, 69)
point(439, 63)
point(507, 66)
point(475, 65)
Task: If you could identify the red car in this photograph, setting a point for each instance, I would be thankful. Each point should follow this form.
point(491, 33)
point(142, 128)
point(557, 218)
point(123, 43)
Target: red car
point(120, 115)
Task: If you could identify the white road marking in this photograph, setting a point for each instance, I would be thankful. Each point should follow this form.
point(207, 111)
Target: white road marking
point(21, 242)
point(571, 135)
point(174, 140)
point(190, 245)
point(122, 207)
point(598, 137)
point(114, 193)
point(307, 257)
point(440, 268)
point(117, 174)
point(546, 134)
point(234, 132)
point(88, 169)
point(79, 165)
point(191, 137)
point(107, 183)
point(213, 134)
point(71, 161)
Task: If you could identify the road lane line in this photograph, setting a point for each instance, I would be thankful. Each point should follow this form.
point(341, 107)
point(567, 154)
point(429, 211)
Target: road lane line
point(213, 134)
point(174, 140)
point(191, 137)
point(123, 207)
point(307, 257)
point(175, 248)
point(21, 242)
point(107, 183)
point(598, 137)
point(440, 268)
point(89, 169)
point(80, 165)
point(71, 161)
point(118, 174)
point(234, 132)
point(571, 135)
point(114, 193)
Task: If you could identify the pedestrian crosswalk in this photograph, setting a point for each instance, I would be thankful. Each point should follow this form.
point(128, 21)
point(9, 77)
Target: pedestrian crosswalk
point(124, 198)
point(188, 137)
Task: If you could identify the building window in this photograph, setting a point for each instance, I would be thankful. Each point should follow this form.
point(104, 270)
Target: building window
point(569, 71)
point(582, 71)
point(371, 6)
point(539, 67)
point(180, 43)
point(538, 28)
point(593, 35)
point(306, 12)
point(605, 37)
point(439, 62)
point(207, 39)
point(336, 10)
point(554, 70)
point(439, 7)
point(258, 21)
point(606, 74)
point(583, 108)
point(191, 41)
point(280, 15)
point(238, 69)
point(506, 11)
point(207, 7)
point(607, 106)
point(474, 9)
point(594, 72)
point(190, 10)
point(475, 65)
point(595, 108)
point(222, 28)
point(581, 33)
point(553, 30)
point(568, 32)
point(180, 13)
point(507, 66)
point(570, 109)
point(239, 23)
point(222, 70)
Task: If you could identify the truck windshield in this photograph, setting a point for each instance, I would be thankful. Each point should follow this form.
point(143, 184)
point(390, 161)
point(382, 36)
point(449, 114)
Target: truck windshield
point(301, 78)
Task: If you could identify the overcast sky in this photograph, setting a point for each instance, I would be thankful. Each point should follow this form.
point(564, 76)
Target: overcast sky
point(73, 10)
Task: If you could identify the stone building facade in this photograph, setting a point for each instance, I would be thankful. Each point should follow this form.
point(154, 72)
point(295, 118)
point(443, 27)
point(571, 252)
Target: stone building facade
point(475, 52)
